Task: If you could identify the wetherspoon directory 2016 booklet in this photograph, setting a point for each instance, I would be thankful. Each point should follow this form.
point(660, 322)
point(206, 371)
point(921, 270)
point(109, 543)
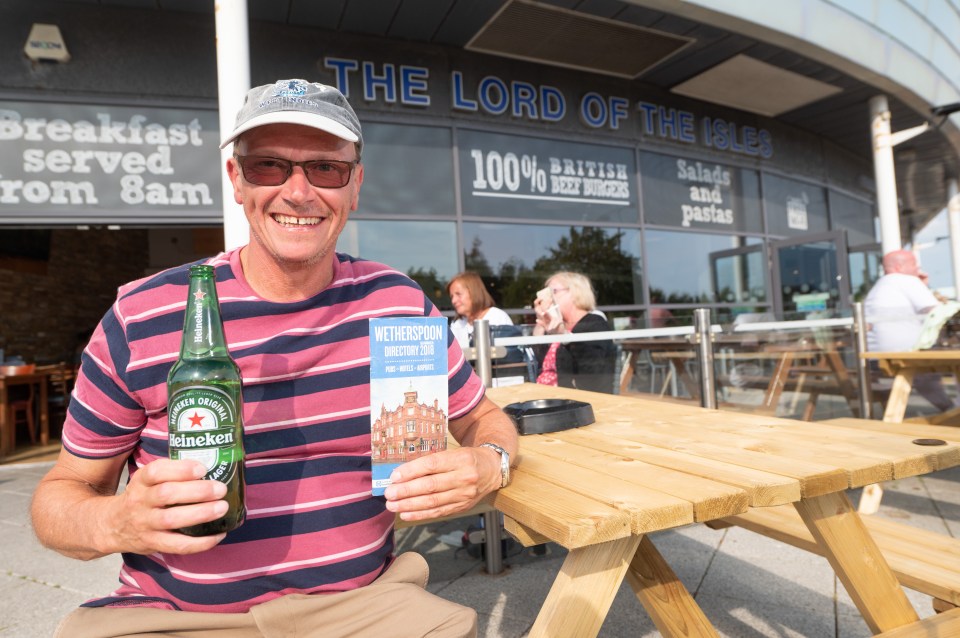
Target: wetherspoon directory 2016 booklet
point(408, 392)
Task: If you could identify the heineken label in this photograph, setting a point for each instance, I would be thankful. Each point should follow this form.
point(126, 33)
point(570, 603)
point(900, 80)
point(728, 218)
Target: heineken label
point(202, 422)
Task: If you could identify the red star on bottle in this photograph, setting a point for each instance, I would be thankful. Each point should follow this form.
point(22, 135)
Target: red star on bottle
point(199, 295)
point(195, 420)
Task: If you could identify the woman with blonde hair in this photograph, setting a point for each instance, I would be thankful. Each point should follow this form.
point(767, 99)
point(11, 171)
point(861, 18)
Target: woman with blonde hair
point(570, 307)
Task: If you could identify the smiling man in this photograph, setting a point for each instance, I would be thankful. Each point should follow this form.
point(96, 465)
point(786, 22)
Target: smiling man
point(315, 556)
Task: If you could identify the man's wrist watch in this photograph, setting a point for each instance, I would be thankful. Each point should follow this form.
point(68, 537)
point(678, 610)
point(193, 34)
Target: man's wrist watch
point(504, 462)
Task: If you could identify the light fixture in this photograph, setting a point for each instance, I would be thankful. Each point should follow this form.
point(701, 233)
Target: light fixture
point(45, 44)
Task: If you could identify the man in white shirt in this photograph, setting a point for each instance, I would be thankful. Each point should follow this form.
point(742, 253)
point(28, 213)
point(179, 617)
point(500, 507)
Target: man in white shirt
point(895, 308)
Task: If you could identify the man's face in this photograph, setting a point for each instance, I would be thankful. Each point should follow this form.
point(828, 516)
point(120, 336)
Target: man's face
point(295, 223)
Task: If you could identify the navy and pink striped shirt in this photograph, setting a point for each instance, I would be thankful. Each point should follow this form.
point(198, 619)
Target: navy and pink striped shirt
point(312, 525)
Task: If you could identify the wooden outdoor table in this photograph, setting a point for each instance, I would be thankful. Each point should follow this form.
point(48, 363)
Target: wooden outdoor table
point(800, 367)
point(645, 466)
point(903, 367)
point(39, 378)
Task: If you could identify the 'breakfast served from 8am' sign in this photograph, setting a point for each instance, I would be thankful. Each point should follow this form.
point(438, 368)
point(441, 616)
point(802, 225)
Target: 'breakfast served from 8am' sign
point(76, 159)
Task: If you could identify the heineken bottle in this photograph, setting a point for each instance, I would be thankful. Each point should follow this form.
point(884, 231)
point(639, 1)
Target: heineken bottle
point(204, 403)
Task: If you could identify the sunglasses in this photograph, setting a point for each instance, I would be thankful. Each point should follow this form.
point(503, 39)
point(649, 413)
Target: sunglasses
point(261, 170)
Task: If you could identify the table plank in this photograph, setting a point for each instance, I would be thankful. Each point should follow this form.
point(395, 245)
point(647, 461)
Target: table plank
point(625, 480)
point(763, 488)
point(852, 450)
point(906, 428)
point(567, 518)
point(814, 477)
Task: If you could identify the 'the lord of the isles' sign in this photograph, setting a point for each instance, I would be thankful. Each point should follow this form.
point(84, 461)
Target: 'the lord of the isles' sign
point(522, 100)
point(61, 162)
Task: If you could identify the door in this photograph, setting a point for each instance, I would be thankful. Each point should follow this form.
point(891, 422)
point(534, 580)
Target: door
point(810, 276)
point(739, 275)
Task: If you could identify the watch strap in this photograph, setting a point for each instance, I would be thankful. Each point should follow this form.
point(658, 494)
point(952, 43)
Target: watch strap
point(504, 462)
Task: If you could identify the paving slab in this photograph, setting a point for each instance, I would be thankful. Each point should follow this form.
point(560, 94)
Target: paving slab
point(748, 585)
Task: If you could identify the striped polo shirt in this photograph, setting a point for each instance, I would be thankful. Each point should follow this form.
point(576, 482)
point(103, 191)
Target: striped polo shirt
point(312, 525)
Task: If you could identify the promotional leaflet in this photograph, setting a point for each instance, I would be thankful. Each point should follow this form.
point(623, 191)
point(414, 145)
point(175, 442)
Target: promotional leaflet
point(408, 392)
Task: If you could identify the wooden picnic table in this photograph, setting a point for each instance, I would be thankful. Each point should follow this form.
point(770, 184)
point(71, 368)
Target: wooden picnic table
point(798, 367)
point(646, 466)
point(38, 378)
point(903, 367)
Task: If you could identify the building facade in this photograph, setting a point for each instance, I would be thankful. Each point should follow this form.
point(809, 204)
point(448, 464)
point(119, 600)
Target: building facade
point(681, 154)
point(408, 431)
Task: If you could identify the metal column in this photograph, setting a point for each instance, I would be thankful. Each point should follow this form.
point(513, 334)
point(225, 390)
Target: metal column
point(863, 371)
point(884, 174)
point(953, 215)
point(708, 382)
point(491, 520)
point(233, 82)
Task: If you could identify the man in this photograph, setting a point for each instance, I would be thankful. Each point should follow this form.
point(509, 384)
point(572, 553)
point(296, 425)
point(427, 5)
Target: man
point(315, 555)
point(895, 309)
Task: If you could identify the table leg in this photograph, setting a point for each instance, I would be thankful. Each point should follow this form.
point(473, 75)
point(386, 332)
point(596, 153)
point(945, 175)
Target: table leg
point(626, 374)
point(896, 407)
point(670, 605)
point(584, 589)
point(4, 435)
point(899, 395)
point(778, 381)
point(857, 560)
point(44, 413)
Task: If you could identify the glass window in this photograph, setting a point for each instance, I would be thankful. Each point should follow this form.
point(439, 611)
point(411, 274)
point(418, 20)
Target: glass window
point(794, 208)
point(515, 176)
point(865, 270)
point(426, 251)
point(692, 193)
point(515, 260)
point(679, 265)
point(739, 275)
point(853, 215)
point(407, 170)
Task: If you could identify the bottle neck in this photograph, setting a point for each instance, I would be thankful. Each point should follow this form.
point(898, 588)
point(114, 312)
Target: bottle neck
point(203, 335)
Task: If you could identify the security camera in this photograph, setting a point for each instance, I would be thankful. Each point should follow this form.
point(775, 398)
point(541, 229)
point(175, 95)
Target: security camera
point(946, 109)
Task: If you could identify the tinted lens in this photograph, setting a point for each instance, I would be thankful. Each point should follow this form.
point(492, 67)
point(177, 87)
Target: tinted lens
point(273, 171)
point(328, 173)
point(265, 171)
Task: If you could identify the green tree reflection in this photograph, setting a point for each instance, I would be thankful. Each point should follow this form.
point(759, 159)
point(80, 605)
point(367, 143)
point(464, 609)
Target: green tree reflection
point(615, 274)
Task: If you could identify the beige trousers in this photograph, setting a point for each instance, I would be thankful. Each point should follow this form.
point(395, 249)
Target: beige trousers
point(394, 605)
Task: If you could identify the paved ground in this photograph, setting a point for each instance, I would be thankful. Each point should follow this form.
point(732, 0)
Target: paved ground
point(749, 586)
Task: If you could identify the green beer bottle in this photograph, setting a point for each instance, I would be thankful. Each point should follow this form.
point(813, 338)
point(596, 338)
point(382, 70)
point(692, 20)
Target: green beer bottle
point(204, 402)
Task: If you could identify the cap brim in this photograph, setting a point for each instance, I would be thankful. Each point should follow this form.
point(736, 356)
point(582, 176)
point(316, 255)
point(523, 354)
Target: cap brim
point(293, 117)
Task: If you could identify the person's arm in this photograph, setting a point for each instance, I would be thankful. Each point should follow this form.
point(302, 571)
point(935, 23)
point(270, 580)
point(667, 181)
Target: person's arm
point(455, 480)
point(77, 512)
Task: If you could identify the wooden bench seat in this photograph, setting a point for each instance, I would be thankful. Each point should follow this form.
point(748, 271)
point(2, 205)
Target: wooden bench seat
point(939, 626)
point(924, 561)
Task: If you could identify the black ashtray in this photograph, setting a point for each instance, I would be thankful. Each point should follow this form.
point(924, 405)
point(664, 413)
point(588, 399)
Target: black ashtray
point(549, 415)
